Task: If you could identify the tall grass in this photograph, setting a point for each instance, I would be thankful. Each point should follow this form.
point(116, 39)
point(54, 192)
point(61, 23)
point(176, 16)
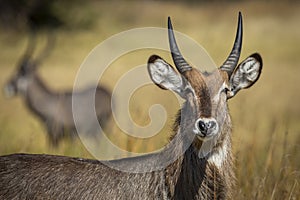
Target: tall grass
point(266, 118)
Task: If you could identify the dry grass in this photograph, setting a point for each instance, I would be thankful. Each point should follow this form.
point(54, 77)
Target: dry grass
point(266, 117)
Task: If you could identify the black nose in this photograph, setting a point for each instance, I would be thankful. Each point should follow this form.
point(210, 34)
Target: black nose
point(205, 126)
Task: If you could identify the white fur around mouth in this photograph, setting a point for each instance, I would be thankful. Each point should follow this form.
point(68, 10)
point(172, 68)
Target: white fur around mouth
point(9, 91)
point(204, 137)
point(199, 135)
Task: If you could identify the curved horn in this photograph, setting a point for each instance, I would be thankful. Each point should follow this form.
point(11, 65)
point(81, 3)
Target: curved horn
point(234, 55)
point(30, 46)
point(178, 59)
point(47, 49)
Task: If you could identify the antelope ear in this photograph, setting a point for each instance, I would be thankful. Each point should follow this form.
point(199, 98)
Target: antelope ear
point(164, 75)
point(245, 74)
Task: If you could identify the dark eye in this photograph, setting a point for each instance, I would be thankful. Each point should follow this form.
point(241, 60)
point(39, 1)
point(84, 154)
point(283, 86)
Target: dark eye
point(225, 90)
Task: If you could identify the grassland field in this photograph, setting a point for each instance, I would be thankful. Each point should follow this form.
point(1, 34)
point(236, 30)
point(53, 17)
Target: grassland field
point(266, 118)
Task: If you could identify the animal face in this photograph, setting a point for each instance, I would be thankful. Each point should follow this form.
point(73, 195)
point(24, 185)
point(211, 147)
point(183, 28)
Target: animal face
point(206, 93)
point(27, 66)
point(210, 91)
point(19, 81)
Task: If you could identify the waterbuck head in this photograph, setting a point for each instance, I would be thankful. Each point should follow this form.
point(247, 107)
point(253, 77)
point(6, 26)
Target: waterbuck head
point(26, 67)
point(206, 93)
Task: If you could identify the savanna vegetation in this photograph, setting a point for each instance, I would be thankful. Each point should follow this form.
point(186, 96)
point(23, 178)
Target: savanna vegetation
point(266, 118)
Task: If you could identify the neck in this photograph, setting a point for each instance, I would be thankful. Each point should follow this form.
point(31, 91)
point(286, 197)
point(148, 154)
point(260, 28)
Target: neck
point(37, 84)
point(39, 98)
point(195, 176)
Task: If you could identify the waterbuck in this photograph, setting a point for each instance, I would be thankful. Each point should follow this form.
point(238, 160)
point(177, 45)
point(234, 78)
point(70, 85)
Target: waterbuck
point(201, 170)
point(54, 108)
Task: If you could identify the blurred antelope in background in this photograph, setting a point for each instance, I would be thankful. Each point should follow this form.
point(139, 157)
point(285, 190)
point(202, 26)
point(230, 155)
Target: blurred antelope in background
point(203, 171)
point(54, 108)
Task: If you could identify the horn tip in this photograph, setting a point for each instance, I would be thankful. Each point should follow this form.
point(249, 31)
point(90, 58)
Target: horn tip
point(169, 23)
point(240, 17)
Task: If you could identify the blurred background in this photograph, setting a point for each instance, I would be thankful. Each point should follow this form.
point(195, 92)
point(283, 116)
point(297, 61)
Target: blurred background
point(266, 118)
